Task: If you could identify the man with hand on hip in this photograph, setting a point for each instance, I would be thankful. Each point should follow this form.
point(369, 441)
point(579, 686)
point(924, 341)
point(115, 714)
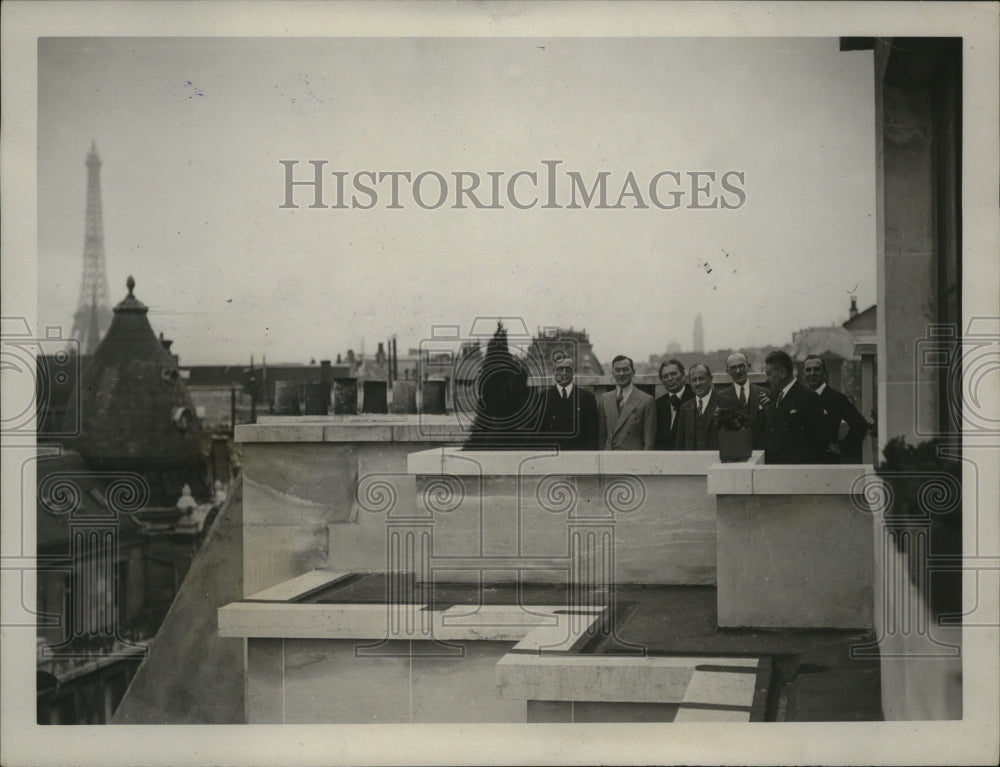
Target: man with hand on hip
point(837, 409)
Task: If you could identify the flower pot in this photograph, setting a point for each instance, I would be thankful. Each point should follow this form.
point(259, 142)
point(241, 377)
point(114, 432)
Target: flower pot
point(735, 446)
point(345, 396)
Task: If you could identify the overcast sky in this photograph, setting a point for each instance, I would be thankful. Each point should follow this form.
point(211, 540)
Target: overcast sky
point(191, 131)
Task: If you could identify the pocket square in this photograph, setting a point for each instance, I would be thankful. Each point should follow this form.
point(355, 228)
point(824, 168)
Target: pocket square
point(792, 412)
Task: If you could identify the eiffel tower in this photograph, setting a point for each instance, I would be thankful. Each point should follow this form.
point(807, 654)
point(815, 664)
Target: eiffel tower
point(93, 313)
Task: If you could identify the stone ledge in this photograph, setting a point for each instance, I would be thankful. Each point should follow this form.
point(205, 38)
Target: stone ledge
point(354, 428)
point(538, 628)
point(298, 587)
point(518, 463)
point(754, 478)
point(625, 679)
point(733, 478)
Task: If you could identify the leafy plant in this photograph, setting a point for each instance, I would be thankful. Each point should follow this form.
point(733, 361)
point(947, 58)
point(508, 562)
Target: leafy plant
point(900, 456)
point(925, 500)
point(732, 419)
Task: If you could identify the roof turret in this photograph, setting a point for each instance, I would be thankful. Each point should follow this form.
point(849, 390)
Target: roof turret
point(135, 411)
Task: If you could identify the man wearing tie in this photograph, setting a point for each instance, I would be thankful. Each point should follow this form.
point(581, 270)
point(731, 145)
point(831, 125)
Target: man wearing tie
point(696, 429)
point(569, 415)
point(626, 416)
point(837, 408)
point(796, 430)
point(668, 405)
point(743, 395)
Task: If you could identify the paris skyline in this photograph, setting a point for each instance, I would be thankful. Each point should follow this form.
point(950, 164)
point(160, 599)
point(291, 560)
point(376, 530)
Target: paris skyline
point(192, 132)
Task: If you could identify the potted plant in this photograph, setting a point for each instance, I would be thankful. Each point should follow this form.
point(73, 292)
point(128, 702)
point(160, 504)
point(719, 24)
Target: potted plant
point(925, 501)
point(735, 435)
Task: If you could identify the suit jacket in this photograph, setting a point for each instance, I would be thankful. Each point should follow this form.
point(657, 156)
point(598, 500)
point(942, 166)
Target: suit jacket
point(796, 430)
point(837, 407)
point(697, 432)
point(634, 429)
point(666, 433)
point(754, 408)
point(570, 424)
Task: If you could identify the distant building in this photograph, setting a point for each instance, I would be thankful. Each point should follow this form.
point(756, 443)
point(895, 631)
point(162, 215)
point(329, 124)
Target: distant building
point(834, 344)
point(716, 359)
point(551, 343)
point(698, 342)
point(134, 410)
point(861, 325)
point(211, 387)
point(117, 524)
point(99, 606)
point(220, 393)
point(373, 369)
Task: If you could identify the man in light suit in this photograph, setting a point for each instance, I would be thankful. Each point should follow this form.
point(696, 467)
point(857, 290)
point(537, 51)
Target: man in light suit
point(569, 414)
point(626, 416)
point(696, 429)
point(796, 429)
point(837, 408)
point(669, 405)
point(743, 395)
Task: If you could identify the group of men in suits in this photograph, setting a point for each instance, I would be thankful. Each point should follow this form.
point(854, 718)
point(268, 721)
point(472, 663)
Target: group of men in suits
point(692, 413)
point(792, 422)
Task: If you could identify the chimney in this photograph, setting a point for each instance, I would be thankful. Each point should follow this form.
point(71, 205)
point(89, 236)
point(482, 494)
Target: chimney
point(854, 307)
point(166, 342)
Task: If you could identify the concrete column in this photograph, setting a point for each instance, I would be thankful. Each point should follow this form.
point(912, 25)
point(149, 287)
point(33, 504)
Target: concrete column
point(907, 247)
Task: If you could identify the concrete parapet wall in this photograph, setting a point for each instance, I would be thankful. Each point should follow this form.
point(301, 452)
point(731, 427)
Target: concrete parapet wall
point(315, 681)
point(794, 547)
point(638, 517)
point(300, 478)
point(323, 492)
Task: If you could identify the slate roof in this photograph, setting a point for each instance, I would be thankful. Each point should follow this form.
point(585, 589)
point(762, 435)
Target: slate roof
point(130, 398)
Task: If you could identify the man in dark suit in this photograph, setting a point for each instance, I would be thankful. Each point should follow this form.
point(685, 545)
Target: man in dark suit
point(569, 413)
point(743, 395)
point(796, 430)
point(626, 416)
point(668, 405)
point(696, 429)
point(837, 409)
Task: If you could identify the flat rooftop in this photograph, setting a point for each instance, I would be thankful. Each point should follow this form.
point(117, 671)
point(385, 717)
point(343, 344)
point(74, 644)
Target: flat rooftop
point(814, 676)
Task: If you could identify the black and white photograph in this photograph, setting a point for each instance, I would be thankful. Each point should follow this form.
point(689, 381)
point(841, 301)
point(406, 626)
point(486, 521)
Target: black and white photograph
point(481, 383)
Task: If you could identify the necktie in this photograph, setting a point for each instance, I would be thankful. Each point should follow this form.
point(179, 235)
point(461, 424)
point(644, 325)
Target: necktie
point(618, 401)
point(675, 401)
point(777, 402)
point(743, 396)
point(565, 394)
point(701, 406)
